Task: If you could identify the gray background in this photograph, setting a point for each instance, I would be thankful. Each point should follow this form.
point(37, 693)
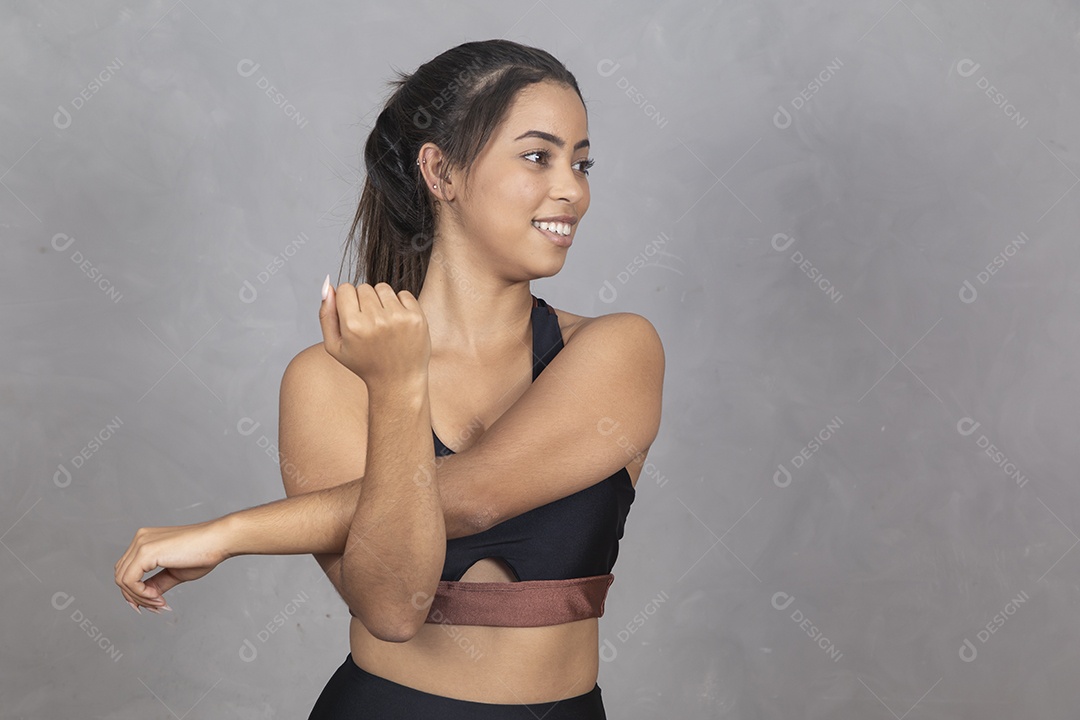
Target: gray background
point(853, 225)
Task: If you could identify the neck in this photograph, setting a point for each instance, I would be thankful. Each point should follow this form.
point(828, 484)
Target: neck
point(475, 319)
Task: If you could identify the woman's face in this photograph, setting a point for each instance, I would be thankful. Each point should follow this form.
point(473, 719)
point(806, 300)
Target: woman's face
point(534, 166)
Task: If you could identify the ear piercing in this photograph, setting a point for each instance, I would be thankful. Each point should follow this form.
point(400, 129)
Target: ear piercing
point(425, 162)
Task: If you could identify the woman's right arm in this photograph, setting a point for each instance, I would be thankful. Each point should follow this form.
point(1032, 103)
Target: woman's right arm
point(322, 449)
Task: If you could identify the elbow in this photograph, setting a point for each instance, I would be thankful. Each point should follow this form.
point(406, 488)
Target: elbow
point(396, 633)
point(481, 519)
point(382, 620)
point(385, 627)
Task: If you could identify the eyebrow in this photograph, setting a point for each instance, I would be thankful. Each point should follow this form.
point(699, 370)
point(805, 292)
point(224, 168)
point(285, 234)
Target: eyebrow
point(554, 139)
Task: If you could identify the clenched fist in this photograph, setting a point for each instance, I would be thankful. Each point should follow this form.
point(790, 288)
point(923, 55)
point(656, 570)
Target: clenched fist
point(379, 334)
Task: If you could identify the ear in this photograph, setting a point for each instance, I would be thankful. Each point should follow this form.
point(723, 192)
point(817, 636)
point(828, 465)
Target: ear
point(434, 168)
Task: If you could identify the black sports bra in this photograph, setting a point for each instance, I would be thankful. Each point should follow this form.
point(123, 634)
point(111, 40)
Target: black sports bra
point(573, 537)
point(561, 553)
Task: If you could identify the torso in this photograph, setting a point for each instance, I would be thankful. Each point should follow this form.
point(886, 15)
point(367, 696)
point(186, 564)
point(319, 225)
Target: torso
point(480, 663)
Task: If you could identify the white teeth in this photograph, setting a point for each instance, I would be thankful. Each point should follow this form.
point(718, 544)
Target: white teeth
point(560, 228)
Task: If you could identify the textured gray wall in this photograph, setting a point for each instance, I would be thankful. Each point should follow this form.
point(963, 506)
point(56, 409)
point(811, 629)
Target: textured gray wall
point(852, 223)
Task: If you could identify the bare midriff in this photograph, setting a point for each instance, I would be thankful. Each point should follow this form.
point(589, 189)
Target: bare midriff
point(487, 664)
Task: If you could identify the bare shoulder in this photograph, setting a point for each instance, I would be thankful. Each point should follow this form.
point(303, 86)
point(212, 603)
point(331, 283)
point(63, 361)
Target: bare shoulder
point(316, 378)
point(629, 330)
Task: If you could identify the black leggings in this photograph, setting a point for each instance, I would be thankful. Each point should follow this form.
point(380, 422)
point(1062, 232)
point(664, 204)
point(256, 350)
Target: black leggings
point(355, 694)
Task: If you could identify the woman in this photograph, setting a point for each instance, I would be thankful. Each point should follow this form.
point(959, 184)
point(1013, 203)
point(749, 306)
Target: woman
point(475, 575)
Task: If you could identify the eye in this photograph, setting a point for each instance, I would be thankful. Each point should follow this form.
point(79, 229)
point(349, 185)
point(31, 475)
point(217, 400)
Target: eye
point(544, 154)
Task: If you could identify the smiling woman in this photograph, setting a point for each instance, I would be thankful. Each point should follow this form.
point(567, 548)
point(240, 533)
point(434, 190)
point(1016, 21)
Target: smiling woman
point(460, 456)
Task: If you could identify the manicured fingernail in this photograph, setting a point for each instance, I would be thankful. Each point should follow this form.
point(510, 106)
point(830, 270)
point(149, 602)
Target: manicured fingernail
point(326, 286)
point(134, 607)
point(154, 610)
point(166, 607)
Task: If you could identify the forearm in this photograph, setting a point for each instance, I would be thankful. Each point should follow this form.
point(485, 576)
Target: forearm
point(318, 521)
point(396, 544)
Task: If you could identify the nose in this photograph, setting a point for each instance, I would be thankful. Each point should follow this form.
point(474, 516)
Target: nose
point(566, 185)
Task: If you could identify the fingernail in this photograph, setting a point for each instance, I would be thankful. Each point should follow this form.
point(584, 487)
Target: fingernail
point(326, 286)
point(166, 607)
point(154, 610)
point(134, 607)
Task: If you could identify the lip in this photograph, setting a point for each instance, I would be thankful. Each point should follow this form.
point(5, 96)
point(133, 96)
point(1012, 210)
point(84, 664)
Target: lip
point(568, 219)
point(555, 239)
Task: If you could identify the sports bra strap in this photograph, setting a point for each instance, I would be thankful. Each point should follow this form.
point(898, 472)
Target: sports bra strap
point(526, 603)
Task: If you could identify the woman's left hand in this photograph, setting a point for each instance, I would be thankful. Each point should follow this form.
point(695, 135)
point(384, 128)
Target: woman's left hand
point(186, 552)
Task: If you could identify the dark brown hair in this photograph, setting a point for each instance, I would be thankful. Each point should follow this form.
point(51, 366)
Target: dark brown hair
point(455, 101)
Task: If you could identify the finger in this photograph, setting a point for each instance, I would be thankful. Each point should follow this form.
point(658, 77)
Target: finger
point(408, 301)
point(162, 582)
point(387, 296)
point(346, 304)
point(329, 321)
point(122, 564)
point(369, 297)
point(133, 574)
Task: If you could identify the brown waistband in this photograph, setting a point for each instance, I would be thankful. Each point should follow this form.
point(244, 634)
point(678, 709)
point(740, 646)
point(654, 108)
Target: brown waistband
point(527, 603)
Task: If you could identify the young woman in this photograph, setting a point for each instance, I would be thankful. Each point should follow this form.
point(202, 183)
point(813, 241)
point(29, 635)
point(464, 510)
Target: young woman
point(476, 568)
